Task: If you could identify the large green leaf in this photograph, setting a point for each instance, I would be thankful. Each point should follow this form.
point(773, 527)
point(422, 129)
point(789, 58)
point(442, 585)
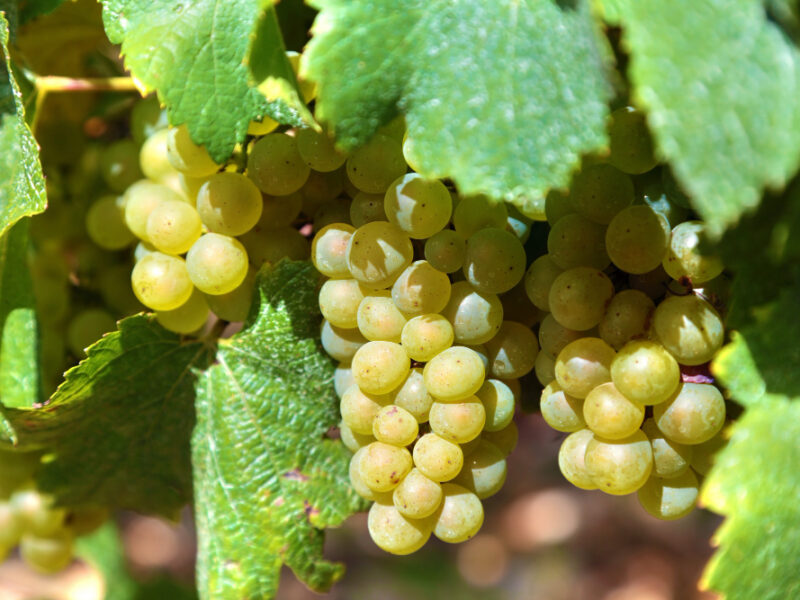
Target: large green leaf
point(721, 85)
point(503, 97)
point(266, 477)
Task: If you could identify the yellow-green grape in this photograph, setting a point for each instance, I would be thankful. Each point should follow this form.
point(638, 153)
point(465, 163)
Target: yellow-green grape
point(336, 211)
point(395, 533)
point(35, 512)
point(480, 349)
point(512, 352)
point(460, 516)
point(637, 238)
point(438, 458)
point(366, 208)
point(373, 167)
point(359, 409)
point(114, 284)
point(275, 165)
point(235, 305)
point(619, 467)
point(320, 189)
point(318, 151)
point(560, 410)
point(518, 224)
point(670, 458)
point(361, 488)
point(505, 439)
point(420, 207)
point(627, 317)
point(340, 344)
point(342, 378)
point(476, 316)
point(270, 246)
point(553, 336)
point(539, 278)
point(410, 153)
point(47, 554)
point(190, 186)
point(645, 372)
point(328, 250)
point(653, 283)
point(339, 300)
point(377, 253)
point(153, 160)
point(383, 466)
point(683, 257)
point(575, 241)
point(474, 213)
point(354, 441)
point(425, 336)
point(188, 317)
point(583, 365)
point(557, 204)
point(105, 224)
point(216, 263)
point(611, 415)
point(119, 165)
point(631, 146)
point(693, 415)
point(469, 447)
point(147, 117)
point(161, 281)
point(545, 368)
point(140, 199)
point(380, 367)
point(11, 528)
point(173, 226)
point(579, 296)
point(421, 289)
point(518, 307)
point(458, 422)
point(142, 249)
point(86, 327)
point(484, 471)
point(229, 203)
point(395, 425)
point(186, 156)
point(495, 260)
point(571, 461)
point(417, 496)
point(600, 191)
point(670, 499)
point(280, 211)
point(704, 455)
point(498, 403)
point(413, 396)
point(395, 129)
point(454, 374)
point(689, 328)
point(263, 127)
point(445, 250)
point(378, 318)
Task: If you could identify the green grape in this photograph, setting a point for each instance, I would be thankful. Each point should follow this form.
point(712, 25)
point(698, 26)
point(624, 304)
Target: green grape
point(105, 224)
point(339, 300)
point(693, 415)
point(627, 317)
point(383, 466)
point(683, 257)
point(636, 239)
point(545, 368)
point(454, 374)
point(263, 127)
point(689, 328)
point(420, 207)
point(328, 250)
point(703, 455)
point(188, 317)
point(395, 533)
point(342, 378)
point(611, 415)
point(417, 496)
point(553, 336)
point(539, 278)
point(579, 296)
point(279, 211)
point(86, 327)
point(445, 251)
point(395, 129)
point(600, 191)
point(378, 253)
point(459, 517)
point(498, 403)
point(186, 156)
point(458, 422)
point(476, 316)
point(142, 249)
point(631, 146)
point(413, 396)
point(374, 166)
point(48, 554)
point(380, 367)
point(320, 189)
point(645, 372)
point(505, 439)
point(584, 364)
point(229, 203)
point(653, 283)
point(560, 410)
point(147, 117)
point(512, 352)
point(670, 499)
point(340, 344)
point(275, 165)
point(119, 165)
point(235, 305)
point(482, 353)
point(495, 261)
point(571, 461)
point(359, 409)
point(379, 319)
point(410, 153)
point(361, 488)
point(619, 467)
point(173, 227)
point(518, 224)
point(336, 211)
point(437, 458)
point(216, 263)
point(517, 306)
point(484, 471)
point(474, 213)
point(35, 512)
point(395, 425)
point(318, 151)
point(354, 442)
point(190, 187)
point(366, 208)
point(140, 199)
point(421, 289)
point(161, 281)
point(469, 447)
point(11, 527)
point(670, 459)
point(575, 241)
point(270, 246)
point(425, 336)
point(153, 160)
point(557, 204)
point(114, 284)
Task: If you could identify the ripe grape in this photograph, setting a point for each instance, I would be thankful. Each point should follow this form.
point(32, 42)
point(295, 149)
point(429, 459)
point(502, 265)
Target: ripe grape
point(703, 455)
point(161, 281)
point(600, 191)
point(611, 415)
point(557, 204)
point(413, 396)
point(328, 250)
point(269, 247)
point(539, 278)
point(275, 165)
point(560, 410)
point(670, 499)
point(35, 512)
point(229, 203)
point(438, 458)
point(637, 238)
point(683, 257)
point(380, 367)
point(484, 471)
point(361, 488)
point(147, 117)
point(689, 328)
point(420, 207)
point(354, 442)
point(421, 289)
point(379, 319)
point(393, 532)
point(140, 199)
point(373, 167)
point(173, 226)
point(154, 162)
point(339, 300)
point(459, 517)
point(318, 151)
point(216, 263)
point(445, 250)
point(458, 422)
point(342, 378)
point(105, 224)
point(366, 208)
point(693, 415)
point(186, 156)
point(395, 425)
point(575, 241)
point(377, 253)
point(518, 224)
point(279, 211)
point(425, 336)
point(495, 260)
point(583, 365)
point(498, 402)
point(505, 439)
point(627, 317)
point(553, 336)
point(188, 317)
point(417, 496)
point(235, 305)
point(119, 165)
point(263, 127)
point(631, 146)
point(474, 213)
point(114, 284)
point(579, 296)
point(454, 374)
point(512, 352)
point(47, 554)
point(320, 190)
point(619, 467)
point(670, 458)
point(476, 316)
point(340, 344)
point(383, 466)
point(545, 368)
point(518, 307)
point(645, 372)
point(336, 211)
point(571, 459)
point(653, 283)
point(86, 327)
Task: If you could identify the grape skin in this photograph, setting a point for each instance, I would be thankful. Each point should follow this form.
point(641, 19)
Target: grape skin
point(561, 411)
point(571, 459)
point(217, 264)
point(484, 471)
point(498, 403)
point(359, 409)
point(474, 213)
point(670, 459)
point(328, 250)
point(683, 257)
point(619, 467)
point(373, 167)
point(437, 458)
point(627, 317)
point(413, 396)
point(188, 317)
point(421, 289)
point(105, 224)
point(575, 241)
point(229, 203)
point(425, 336)
point(611, 415)
point(458, 422)
point(173, 227)
point(377, 253)
point(670, 499)
point(366, 208)
point(495, 261)
point(476, 316)
point(539, 278)
point(161, 281)
point(383, 466)
point(454, 374)
point(86, 327)
point(693, 415)
point(339, 300)
point(275, 165)
point(445, 250)
point(512, 352)
point(583, 365)
point(417, 496)
point(579, 296)
point(340, 344)
point(637, 238)
point(689, 328)
point(395, 425)
point(460, 516)
point(393, 532)
point(553, 336)
point(630, 142)
point(318, 150)
point(378, 318)
point(380, 367)
point(505, 439)
point(186, 156)
point(645, 372)
point(420, 207)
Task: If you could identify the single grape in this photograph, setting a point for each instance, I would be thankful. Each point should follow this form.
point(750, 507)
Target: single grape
point(438, 458)
point(105, 224)
point(476, 316)
point(366, 208)
point(458, 422)
point(153, 160)
point(173, 226)
point(689, 328)
point(395, 425)
point(340, 344)
point(140, 199)
point(636, 239)
point(693, 415)
point(383, 466)
point(631, 145)
point(142, 249)
point(373, 167)
point(336, 211)
point(459, 517)
point(545, 368)
point(579, 297)
point(339, 300)
point(512, 352)
point(670, 459)
point(425, 336)
point(653, 283)
point(319, 192)
point(86, 327)
point(278, 211)
point(684, 258)
point(318, 151)
point(229, 203)
point(611, 415)
point(417, 496)
point(420, 207)
point(356, 482)
point(235, 305)
point(47, 554)
point(354, 442)
point(275, 165)
point(519, 224)
point(395, 533)
point(484, 471)
point(161, 281)
point(147, 117)
point(495, 260)
point(445, 250)
point(342, 378)
point(270, 246)
point(186, 156)
point(379, 319)
point(583, 365)
point(378, 253)
point(263, 127)
point(454, 374)
point(670, 499)
point(571, 461)
point(517, 306)
point(600, 191)
point(216, 263)
point(36, 513)
point(627, 317)
point(619, 467)
point(645, 372)
point(553, 336)
point(188, 317)
point(703, 455)
point(421, 289)
point(539, 278)
point(86, 519)
point(560, 410)
point(119, 165)
point(328, 250)
point(474, 213)
point(498, 403)
point(413, 396)
point(505, 439)
point(557, 204)
point(380, 367)
point(575, 241)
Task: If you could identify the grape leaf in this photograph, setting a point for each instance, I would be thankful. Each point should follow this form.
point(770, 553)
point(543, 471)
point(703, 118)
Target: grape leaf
point(721, 85)
point(502, 97)
point(30, 9)
point(193, 54)
point(266, 477)
point(118, 428)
